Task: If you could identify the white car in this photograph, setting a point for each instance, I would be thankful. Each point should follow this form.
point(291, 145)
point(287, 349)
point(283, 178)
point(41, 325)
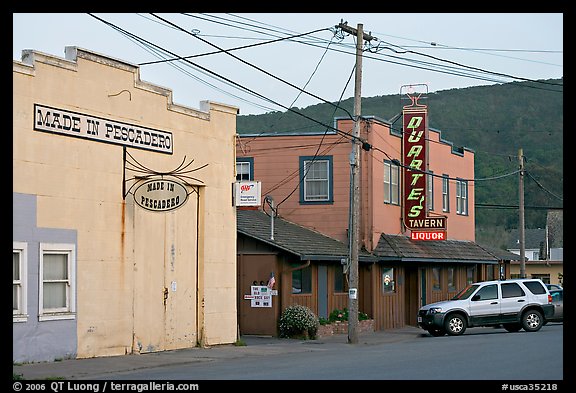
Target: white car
point(514, 304)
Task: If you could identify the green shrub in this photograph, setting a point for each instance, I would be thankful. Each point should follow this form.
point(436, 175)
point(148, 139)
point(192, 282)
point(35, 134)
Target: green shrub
point(298, 321)
point(342, 315)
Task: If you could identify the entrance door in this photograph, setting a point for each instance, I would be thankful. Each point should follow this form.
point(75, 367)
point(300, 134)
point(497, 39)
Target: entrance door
point(323, 291)
point(254, 270)
point(411, 295)
point(165, 278)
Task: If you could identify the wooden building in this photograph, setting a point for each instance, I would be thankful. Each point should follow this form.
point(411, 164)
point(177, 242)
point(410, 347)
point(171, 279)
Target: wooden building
point(309, 173)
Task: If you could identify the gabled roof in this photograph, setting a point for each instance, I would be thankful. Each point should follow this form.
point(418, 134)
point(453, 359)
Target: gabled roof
point(533, 239)
point(398, 247)
point(293, 238)
point(503, 255)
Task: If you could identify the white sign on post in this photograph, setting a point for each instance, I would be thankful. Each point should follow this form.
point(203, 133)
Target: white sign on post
point(260, 296)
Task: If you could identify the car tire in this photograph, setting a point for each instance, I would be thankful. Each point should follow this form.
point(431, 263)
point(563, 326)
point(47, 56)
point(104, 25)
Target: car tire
point(512, 327)
point(437, 332)
point(455, 324)
point(532, 320)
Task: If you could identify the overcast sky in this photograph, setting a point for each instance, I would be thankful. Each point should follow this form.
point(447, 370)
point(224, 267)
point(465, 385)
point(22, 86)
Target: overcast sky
point(436, 51)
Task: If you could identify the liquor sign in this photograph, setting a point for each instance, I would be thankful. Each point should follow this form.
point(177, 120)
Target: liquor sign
point(428, 235)
point(415, 161)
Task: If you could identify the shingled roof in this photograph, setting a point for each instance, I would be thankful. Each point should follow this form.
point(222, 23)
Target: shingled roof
point(293, 238)
point(398, 247)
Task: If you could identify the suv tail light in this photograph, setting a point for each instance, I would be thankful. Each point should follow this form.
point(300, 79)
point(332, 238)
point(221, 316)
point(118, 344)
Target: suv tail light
point(549, 298)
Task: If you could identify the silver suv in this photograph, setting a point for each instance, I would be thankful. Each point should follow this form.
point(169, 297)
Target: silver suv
point(514, 304)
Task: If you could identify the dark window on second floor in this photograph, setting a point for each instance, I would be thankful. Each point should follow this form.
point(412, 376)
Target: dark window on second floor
point(244, 168)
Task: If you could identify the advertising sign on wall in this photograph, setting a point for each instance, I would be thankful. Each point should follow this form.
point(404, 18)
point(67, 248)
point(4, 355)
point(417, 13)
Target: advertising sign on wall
point(247, 193)
point(160, 195)
point(64, 122)
point(415, 161)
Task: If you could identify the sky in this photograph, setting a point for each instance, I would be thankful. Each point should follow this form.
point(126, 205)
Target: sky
point(263, 62)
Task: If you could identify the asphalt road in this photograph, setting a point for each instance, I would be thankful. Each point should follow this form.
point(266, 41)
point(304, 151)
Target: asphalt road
point(480, 354)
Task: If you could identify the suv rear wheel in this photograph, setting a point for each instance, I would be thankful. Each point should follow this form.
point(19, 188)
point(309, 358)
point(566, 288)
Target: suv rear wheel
point(455, 325)
point(532, 320)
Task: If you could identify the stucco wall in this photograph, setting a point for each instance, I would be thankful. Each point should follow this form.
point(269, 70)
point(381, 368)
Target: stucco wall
point(126, 255)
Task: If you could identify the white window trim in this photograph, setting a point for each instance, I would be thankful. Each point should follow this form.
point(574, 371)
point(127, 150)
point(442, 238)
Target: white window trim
point(392, 171)
point(307, 180)
point(243, 165)
point(21, 315)
point(462, 197)
point(70, 311)
point(445, 194)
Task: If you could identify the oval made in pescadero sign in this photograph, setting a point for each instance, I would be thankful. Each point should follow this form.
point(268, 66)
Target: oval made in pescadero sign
point(160, 195)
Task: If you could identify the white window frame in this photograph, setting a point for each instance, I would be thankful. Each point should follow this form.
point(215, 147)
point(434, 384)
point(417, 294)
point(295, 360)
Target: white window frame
point(240, 169)
point(21, 314)
point(430, 195)
point(69, 311)
point(307, 180)
point(391, 183)
point(445, 193)
point(462, 197)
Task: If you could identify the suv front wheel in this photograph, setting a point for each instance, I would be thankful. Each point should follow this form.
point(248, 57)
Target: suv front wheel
point(532, 320)
point(455, 324)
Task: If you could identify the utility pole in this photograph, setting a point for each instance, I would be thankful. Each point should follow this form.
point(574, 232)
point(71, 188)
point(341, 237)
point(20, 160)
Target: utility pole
point(521, 223)
point(354, 230)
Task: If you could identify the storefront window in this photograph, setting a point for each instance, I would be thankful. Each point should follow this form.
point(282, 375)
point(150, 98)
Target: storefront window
point(451, 279)
point(302, 280)
point(470, 275)
point(388, 280)
point(340, 283)
point(436, 284)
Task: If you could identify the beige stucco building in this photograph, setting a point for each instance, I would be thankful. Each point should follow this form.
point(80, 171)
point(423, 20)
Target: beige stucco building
point(99, 269)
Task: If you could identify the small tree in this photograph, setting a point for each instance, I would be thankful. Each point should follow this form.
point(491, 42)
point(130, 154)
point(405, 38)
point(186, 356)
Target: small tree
point(298, 321)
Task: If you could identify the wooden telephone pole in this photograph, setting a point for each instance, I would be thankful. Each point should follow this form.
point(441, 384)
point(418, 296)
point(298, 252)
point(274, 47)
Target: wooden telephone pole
point(521, 236)
point(354, 230)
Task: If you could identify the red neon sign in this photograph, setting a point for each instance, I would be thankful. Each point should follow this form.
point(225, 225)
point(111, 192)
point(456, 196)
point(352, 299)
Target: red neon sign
point(415, 160)
point(428, 235)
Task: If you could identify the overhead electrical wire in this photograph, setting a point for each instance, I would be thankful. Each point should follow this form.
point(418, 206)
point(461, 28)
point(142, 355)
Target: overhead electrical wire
point(231, 82)
point(255, 66)
point(159, 52)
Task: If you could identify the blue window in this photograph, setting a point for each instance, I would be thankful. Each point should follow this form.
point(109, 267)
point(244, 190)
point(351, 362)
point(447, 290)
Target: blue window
point(245, 168)
point(316, 180)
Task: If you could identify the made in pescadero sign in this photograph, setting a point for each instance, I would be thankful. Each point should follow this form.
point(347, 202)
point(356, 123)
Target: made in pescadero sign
point(160, 195)
point(415, 161)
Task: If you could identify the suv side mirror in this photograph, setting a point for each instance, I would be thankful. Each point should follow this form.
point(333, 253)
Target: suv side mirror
point(475, 298)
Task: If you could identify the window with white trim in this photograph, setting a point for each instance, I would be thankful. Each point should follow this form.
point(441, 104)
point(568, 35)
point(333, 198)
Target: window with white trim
point(19, 281)
point(430, 194)
point(316, 179)
point(244, 168)
point(388, 280)
point(445, 194)
point(391, 183)
point(57, 281)
point(462, 197)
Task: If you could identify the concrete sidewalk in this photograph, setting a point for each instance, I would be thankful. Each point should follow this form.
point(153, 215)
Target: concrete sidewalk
point(255, 346)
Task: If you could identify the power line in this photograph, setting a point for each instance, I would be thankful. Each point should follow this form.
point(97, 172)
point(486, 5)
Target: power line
point(253, 66)
point(229, 81)
point(542, 187)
